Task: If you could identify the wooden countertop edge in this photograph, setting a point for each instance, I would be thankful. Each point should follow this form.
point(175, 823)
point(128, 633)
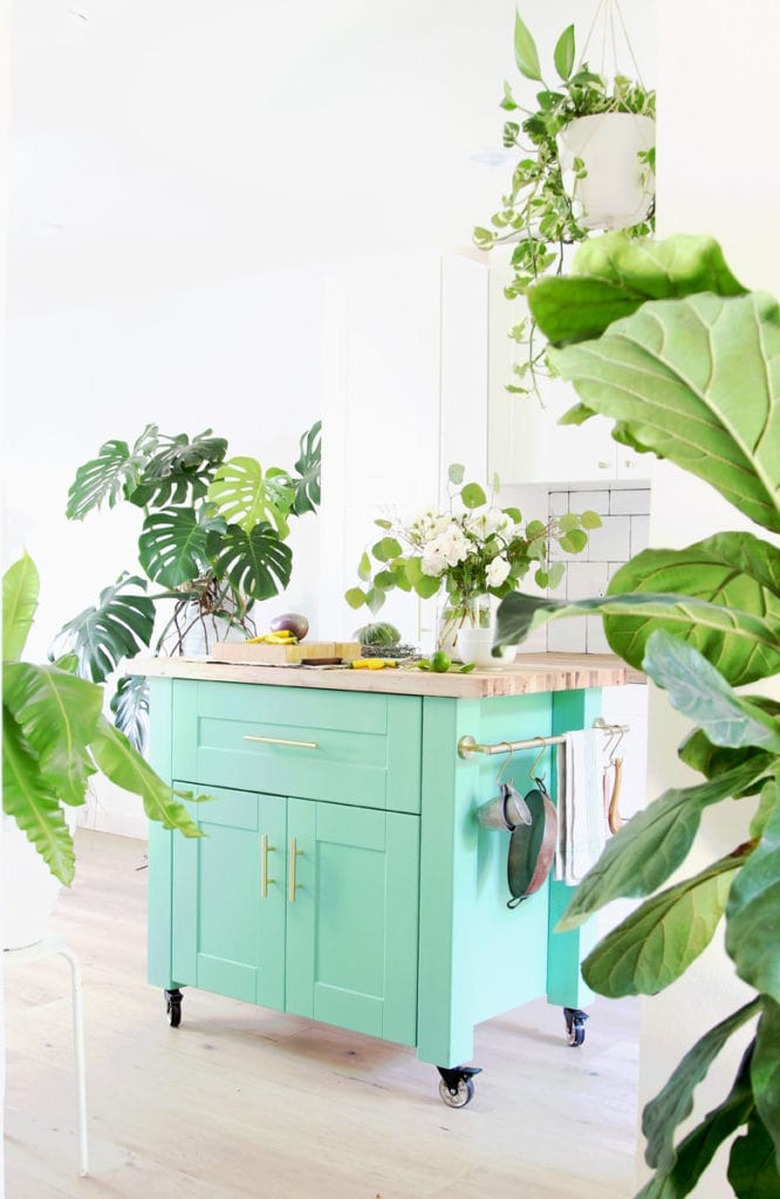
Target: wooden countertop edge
point(530, 673)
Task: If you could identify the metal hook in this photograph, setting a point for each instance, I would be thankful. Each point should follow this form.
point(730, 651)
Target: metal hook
point(532, 773)
point(506, 761)
point(618, 737)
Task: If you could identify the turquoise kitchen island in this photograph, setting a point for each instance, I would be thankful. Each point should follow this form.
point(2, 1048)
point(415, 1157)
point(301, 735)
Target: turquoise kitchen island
point(342, 874)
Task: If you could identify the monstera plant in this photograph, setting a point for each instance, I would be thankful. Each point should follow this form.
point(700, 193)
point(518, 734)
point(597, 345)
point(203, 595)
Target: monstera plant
point(664, 341)
point(212, 542)
point(55, 737)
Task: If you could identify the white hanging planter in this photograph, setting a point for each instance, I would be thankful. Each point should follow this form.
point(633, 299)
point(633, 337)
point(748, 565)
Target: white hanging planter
point(617, 189)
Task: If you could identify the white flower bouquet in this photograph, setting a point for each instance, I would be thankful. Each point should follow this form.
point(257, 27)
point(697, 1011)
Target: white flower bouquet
point(471, 550)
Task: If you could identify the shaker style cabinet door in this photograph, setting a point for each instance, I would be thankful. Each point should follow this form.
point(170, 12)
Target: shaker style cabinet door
point(352, 914)
point(229, 898)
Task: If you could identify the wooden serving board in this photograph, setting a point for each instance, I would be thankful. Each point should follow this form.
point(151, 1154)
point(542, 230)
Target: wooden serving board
point(285, 655)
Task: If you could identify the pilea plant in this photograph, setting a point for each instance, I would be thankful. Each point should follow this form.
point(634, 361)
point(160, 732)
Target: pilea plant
point(213, 539)
point(539, 215)
point(662, 339)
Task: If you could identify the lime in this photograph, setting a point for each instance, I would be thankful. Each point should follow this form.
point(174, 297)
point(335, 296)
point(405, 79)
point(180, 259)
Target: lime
point(440, 662)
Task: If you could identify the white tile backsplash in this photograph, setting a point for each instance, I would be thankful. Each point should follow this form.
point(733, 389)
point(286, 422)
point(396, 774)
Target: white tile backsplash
point(625, 515)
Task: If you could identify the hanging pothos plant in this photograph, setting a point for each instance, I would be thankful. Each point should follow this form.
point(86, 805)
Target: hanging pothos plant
point(540, 215)
point(213, 539)
point(663, 340)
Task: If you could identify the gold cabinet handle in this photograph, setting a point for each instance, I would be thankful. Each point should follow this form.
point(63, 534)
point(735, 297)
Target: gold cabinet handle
point(283, 741)
point(265, 849)
point(292, 885)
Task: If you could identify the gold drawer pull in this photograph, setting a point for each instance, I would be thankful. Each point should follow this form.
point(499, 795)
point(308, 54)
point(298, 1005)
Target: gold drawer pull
point(283, 741)
point(265, 849)
point(293, 886)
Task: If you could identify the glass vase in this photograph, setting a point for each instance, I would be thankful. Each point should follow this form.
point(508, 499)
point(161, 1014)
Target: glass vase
point(474, 613)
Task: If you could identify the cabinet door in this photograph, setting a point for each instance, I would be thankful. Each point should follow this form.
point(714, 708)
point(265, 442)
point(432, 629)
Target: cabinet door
point(229, 898)
point(352, 918)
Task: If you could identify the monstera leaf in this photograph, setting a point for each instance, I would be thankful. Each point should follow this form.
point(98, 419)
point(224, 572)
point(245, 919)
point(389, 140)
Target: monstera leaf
point(257, 564)
point(111, 476)
point(172, 546)
point(180, 471)
point(130, 705)
point(118, 627)
point(246, 496)
point(694, 380)
point(308, 466)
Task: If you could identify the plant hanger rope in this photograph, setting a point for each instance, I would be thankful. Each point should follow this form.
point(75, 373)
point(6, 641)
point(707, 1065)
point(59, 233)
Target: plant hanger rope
point(608, 11)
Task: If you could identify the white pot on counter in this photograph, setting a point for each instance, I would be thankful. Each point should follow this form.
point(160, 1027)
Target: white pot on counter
point(475, 646)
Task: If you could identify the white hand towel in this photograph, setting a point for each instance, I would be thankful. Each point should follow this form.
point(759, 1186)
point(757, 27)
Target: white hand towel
point(585, 827)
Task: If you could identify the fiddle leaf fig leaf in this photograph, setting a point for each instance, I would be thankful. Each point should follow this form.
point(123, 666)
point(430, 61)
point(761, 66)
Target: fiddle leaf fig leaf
point(257, 564)
point(697, 1150)
point(57, 713)
point(753, 1171)
point(615, 274)
point(735, 570)
point(753, 914)
point(526, 54)
point(125, 767)
point(307, 485)
point(767, 804)
point(695, 688)
point(714, 404)
point(765, 1070)
point(658, 942)
point(674, 1103)
point(563, 55)
point(29, 797)
point(745, 637)
point(172, 546)
point(20, 599)
point(650, 847)
point(246, 496)
point(119, 626)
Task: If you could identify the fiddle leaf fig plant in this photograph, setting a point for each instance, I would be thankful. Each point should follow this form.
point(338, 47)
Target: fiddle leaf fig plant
point(55, 738)
point(213, 541)
point(539, 215)
point(662, 339)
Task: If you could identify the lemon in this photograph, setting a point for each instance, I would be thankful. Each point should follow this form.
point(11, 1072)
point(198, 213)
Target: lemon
point(440, 662)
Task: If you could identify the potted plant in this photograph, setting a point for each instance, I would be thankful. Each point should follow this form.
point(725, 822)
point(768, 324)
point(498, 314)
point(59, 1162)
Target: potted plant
point(662, 339)
point(55, 737)
point(586, 161)
point(472, 550)
point(213, 540)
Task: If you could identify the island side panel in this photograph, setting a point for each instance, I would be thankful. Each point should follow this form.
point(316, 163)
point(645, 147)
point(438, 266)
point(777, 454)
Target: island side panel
point(565, 985)
point(160, 873)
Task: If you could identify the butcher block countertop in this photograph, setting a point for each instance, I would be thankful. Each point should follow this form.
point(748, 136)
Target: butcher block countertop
point(529, 673)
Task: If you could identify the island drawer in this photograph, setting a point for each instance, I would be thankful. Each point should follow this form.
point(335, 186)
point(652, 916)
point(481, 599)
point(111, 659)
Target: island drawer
point(343, 747)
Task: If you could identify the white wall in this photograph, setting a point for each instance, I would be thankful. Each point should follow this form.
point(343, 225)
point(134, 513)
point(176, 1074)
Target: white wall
point(717, 174)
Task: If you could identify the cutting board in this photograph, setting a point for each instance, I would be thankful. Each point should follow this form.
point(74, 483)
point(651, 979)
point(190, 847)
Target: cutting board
point(285, 655)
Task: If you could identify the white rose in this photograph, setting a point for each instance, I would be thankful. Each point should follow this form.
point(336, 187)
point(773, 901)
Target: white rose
point(497, 572)
point(432, 562)
point(453, 544)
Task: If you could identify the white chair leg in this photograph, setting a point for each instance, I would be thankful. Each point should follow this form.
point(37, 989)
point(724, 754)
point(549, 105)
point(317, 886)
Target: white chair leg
point(78, 1050)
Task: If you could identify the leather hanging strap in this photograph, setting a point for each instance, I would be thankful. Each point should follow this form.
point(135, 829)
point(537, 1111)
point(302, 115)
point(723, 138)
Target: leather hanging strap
point(614, 820)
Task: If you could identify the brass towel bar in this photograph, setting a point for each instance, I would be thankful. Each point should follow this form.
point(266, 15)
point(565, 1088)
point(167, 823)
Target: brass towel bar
point(467, 746)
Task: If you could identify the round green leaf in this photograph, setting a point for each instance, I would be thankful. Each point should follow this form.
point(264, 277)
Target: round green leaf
point(473, 496)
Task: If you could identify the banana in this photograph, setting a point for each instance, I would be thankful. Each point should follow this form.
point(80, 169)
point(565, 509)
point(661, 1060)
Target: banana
point(284, 637)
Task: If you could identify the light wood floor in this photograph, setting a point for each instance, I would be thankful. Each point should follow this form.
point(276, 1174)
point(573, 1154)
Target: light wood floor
point(242, 1101)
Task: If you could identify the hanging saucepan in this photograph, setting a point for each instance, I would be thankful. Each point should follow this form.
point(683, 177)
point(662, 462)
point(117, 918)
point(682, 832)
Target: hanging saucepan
point(532, 846)
point(507, 810)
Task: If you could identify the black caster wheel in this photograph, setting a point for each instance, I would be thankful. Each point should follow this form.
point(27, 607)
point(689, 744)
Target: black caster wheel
point(456, 1088)
point(173, 1007)
point(575, 1026)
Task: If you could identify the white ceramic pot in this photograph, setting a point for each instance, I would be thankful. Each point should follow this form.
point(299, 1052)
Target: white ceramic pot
point(617, 190)
point(476, 646)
